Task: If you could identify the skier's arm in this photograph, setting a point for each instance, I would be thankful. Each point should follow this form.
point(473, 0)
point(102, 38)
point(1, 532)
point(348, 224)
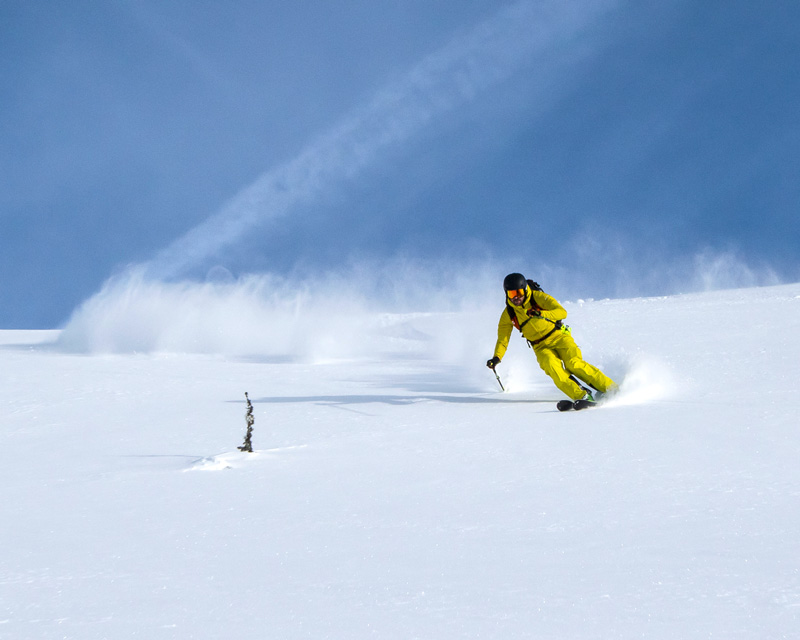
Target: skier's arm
point(550, 307)
point(504, 329)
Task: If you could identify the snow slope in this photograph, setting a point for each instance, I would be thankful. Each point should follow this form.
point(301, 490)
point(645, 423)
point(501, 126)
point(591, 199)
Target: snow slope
point(397, 493)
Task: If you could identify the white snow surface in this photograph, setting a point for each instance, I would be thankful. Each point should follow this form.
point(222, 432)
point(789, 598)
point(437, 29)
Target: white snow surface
point(396, 493)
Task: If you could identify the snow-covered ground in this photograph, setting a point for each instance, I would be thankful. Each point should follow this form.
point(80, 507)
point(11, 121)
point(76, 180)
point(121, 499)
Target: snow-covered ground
point(395, 492)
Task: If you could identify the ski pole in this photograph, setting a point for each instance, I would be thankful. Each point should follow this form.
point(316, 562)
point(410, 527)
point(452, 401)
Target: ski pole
point(498, 379)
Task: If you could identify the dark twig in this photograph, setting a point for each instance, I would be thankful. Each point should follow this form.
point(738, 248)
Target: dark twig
point(248, 444)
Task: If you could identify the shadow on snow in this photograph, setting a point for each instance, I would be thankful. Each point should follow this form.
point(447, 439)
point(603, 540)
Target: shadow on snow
point(391, 399)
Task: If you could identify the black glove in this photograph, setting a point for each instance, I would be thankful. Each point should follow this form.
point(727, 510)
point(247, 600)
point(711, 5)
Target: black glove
point(534, 313)
point(493, 362)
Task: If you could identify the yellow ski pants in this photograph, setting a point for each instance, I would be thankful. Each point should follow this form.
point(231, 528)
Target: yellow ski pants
point(559, 356)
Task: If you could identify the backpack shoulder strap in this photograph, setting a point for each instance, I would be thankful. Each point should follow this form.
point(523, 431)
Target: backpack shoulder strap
point(513, 316)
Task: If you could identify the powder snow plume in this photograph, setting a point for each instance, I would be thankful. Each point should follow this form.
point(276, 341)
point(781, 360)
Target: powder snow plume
point(397, 310)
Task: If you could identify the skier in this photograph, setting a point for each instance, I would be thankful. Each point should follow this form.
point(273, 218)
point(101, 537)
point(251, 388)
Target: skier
point(538, 317)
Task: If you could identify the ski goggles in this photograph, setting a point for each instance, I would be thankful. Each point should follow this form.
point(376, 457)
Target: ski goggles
point(514, 293)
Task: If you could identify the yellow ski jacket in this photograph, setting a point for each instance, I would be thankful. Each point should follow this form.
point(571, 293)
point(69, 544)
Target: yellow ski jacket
point(532, 327)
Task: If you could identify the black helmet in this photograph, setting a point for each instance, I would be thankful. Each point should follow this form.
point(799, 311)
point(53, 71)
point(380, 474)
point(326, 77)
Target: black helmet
point(514, 281)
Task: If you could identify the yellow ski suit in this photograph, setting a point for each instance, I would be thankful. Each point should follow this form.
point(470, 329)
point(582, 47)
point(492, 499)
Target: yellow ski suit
point(555, 350)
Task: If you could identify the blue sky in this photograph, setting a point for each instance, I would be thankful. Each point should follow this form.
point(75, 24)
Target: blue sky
point(615, 140)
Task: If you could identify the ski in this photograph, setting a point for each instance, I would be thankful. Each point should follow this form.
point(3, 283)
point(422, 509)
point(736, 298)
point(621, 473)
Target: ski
point(577, 405)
